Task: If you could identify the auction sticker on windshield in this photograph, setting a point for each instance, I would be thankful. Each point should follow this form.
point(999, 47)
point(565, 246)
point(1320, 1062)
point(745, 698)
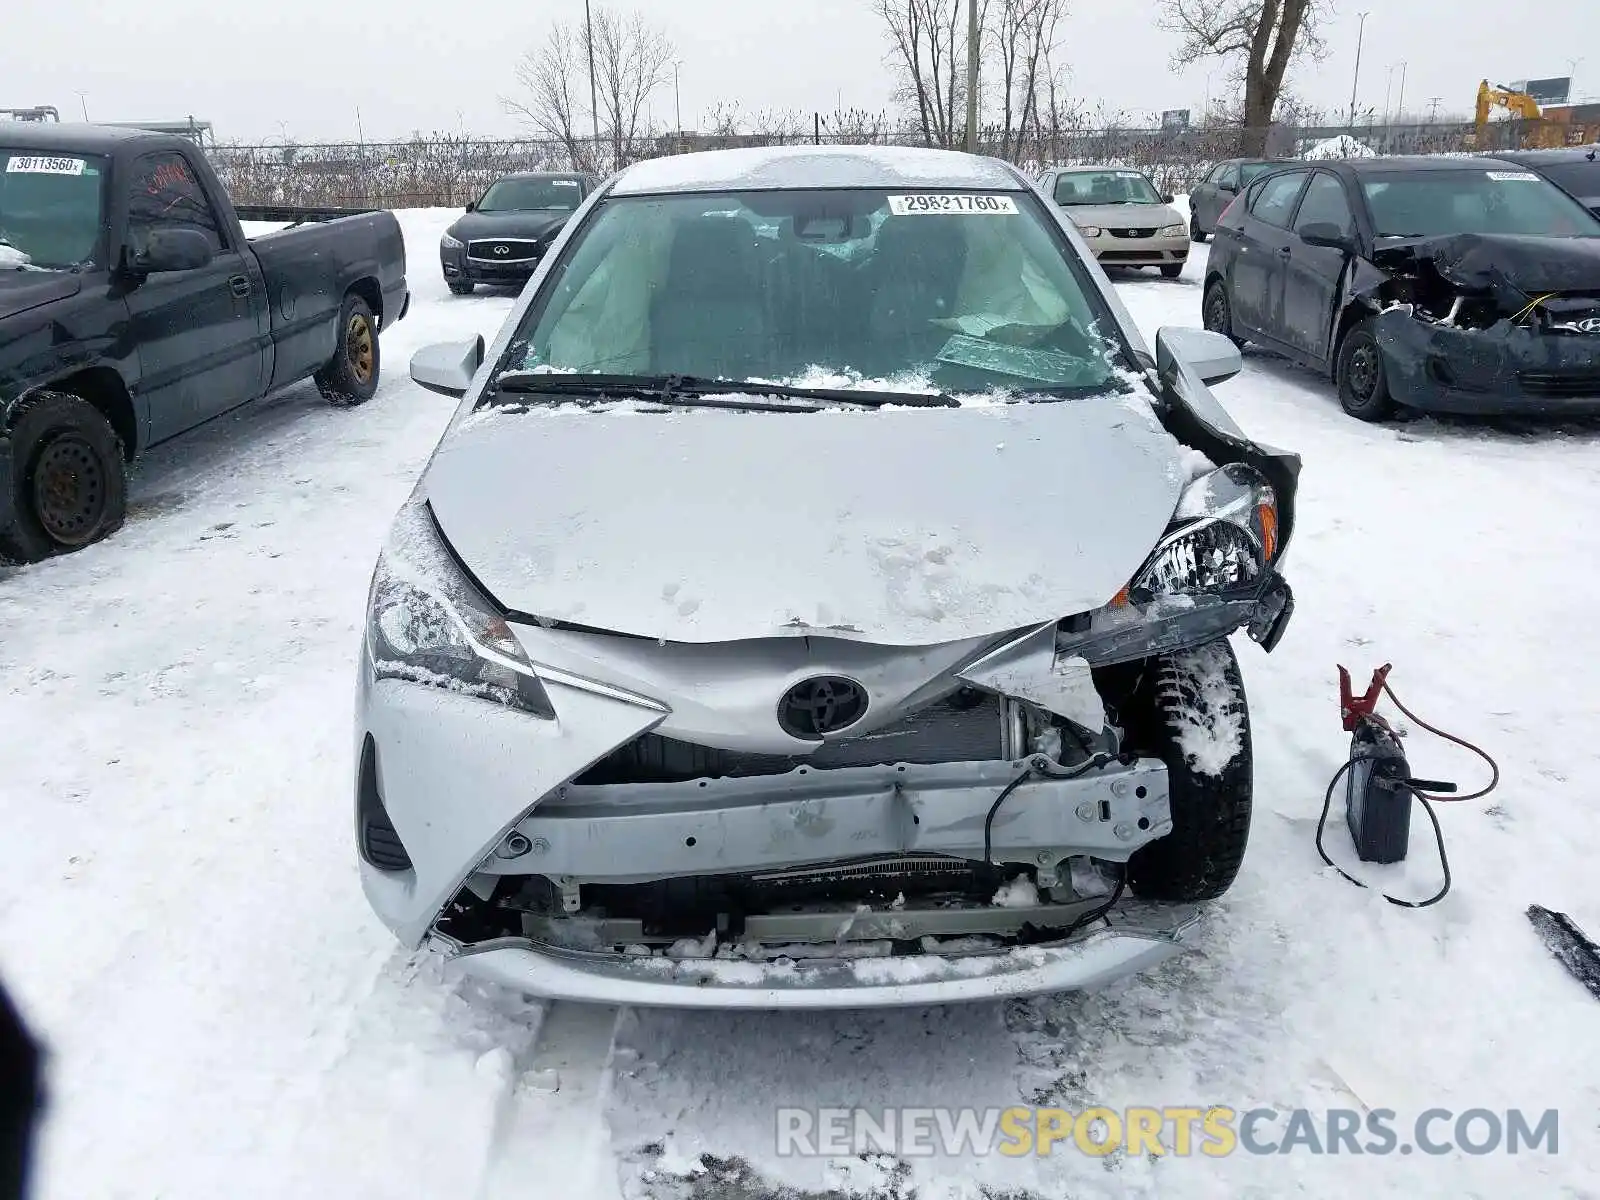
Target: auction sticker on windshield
point(1513, 176)
point(36, 165)
point(911, 206)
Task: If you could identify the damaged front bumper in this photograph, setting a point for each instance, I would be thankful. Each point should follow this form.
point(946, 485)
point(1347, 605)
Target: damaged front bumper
point(1503, 370)
point(1136, 938)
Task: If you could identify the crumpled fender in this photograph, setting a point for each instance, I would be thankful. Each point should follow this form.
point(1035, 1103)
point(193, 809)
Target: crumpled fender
point(1183, 407)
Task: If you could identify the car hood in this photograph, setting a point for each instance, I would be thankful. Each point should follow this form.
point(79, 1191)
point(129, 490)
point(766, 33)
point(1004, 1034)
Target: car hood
point(507, 224)
point(898, 526)
point(1510, 267)
point(22, 290)
point(1124, 216)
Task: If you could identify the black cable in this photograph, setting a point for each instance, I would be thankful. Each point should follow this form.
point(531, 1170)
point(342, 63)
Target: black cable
point(1090, 918)
point(988, 821)
point(1438, 833)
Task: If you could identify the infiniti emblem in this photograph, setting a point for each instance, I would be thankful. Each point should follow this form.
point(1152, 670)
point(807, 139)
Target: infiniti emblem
point(502, 250)
point(821, 705)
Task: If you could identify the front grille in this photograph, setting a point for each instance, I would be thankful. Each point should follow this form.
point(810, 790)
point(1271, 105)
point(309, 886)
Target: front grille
point(503, 250)
point(1561, 385)
point(962, 728)
point(1133, 233)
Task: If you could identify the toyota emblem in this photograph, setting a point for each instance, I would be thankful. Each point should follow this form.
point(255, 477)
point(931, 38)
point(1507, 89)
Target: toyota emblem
point(821, 705)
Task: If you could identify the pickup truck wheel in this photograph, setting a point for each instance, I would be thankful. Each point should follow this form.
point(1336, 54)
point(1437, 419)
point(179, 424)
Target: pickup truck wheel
point(1363, 386)
point(1189, 710)
point(69, 487)
point(351, 376)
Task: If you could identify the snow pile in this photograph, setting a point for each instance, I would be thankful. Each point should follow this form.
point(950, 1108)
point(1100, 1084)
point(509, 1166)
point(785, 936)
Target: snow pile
point(1343, 146)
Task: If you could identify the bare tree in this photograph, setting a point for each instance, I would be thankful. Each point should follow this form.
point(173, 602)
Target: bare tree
point(1261, 38)
point(928, 50)
point(549, 77)
point(1020, 39)
point(632, 59)
point(855, 126)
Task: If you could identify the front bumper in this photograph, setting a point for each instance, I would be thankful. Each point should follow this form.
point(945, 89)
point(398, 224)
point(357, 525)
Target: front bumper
point(1505, 370)
point(1137, 937)
point(1114, 251)
point(459, 266)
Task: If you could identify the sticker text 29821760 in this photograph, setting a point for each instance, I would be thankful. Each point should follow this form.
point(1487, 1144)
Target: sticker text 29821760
point(958, 202)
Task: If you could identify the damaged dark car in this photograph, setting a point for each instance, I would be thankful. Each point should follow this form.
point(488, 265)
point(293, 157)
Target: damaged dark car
point(1444, 285)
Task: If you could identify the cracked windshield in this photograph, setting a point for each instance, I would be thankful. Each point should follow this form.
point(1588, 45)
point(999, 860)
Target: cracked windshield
point(910, 292)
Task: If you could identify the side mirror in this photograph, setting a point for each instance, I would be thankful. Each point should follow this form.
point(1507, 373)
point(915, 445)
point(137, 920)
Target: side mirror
point(1327, 235)
point(171, 250)
point(472, 206)
point(1166, 197)
point(1225, 186)
point(1212, 356)
point(448, 367)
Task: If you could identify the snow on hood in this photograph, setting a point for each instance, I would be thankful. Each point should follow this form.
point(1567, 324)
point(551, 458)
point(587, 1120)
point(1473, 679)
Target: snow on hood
point(1343, 146)
point(905, 526)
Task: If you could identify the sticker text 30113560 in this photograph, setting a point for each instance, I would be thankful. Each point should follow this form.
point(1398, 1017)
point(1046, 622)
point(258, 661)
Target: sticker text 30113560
point(959, 202)
point(44, 165)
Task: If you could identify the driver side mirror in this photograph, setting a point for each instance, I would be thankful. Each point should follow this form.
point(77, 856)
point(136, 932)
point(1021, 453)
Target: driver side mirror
point(1166, 197)
point(1329, 235)
point(448, 367)
point(472, 206)
point(1212, 356)
point(170, 250)
point(1224, 185)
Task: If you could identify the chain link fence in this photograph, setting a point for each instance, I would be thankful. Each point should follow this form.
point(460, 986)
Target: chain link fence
point(448, 171)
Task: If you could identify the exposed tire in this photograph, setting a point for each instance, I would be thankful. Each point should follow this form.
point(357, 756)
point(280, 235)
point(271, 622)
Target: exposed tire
point(460, 287)
point(1189, 710)
point(1216, 311)
point(1172, 270)
point(351, 376)
point(1196, 234)
point(1359, 374)
point(68, 479)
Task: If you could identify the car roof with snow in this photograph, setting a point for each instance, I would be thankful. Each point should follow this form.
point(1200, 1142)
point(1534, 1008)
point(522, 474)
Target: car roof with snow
point(771, 168)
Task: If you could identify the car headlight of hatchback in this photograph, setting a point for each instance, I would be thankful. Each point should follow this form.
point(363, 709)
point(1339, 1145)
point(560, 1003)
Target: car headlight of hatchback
point(1172, 231)
point(428, 623)
point(1224, 537)
point(449, 243)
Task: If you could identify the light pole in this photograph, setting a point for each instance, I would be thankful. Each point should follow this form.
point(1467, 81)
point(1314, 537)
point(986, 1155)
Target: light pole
point(594, 93)
point(972, 76)
point(677, 103)
point(83, 104)
point(1400, 112)
point(1361, 33)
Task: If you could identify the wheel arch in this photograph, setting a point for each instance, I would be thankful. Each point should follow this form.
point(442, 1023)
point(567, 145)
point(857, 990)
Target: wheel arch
point(368, 290)
point(104, 389)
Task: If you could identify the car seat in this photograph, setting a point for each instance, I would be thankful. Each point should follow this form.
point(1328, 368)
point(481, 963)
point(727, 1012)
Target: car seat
point(710, 317)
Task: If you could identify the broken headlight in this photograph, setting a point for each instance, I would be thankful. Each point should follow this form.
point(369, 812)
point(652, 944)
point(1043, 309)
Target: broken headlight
point(427, 623)
point(1225, 535)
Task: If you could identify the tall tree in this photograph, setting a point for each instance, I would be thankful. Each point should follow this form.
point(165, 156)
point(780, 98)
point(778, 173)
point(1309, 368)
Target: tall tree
point(1260, 38)
point(631, 58)
point(928, 49)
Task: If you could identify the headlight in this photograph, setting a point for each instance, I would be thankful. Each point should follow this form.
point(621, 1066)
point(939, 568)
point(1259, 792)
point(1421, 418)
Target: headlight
point(1172, 231)
point(449, 243)
point(427, 623)
point(1227, 535)
point(1090, 231)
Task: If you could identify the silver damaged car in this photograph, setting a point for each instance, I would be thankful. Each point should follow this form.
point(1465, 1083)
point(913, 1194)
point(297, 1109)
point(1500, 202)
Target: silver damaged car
point(821, 597)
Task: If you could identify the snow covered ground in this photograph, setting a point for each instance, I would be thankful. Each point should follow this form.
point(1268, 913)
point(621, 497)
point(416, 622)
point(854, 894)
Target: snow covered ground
point(181, 920)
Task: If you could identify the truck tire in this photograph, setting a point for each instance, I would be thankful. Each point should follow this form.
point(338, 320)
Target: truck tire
point(1210, 773)
point(1359, 374)
point(351, 376)
point(69, 485)
point(460, 287)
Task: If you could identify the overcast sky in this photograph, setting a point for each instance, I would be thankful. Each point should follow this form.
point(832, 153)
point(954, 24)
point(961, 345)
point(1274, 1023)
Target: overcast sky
point(260, 69)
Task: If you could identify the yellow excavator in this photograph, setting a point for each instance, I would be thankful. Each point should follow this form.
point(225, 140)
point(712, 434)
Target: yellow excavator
point(1537, 134)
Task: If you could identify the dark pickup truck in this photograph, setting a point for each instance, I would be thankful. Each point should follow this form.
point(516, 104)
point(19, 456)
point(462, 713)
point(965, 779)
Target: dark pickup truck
point(133, 308)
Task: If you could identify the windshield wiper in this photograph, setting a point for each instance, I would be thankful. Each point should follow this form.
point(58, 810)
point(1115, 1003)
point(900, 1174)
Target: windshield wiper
point(696, 391)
